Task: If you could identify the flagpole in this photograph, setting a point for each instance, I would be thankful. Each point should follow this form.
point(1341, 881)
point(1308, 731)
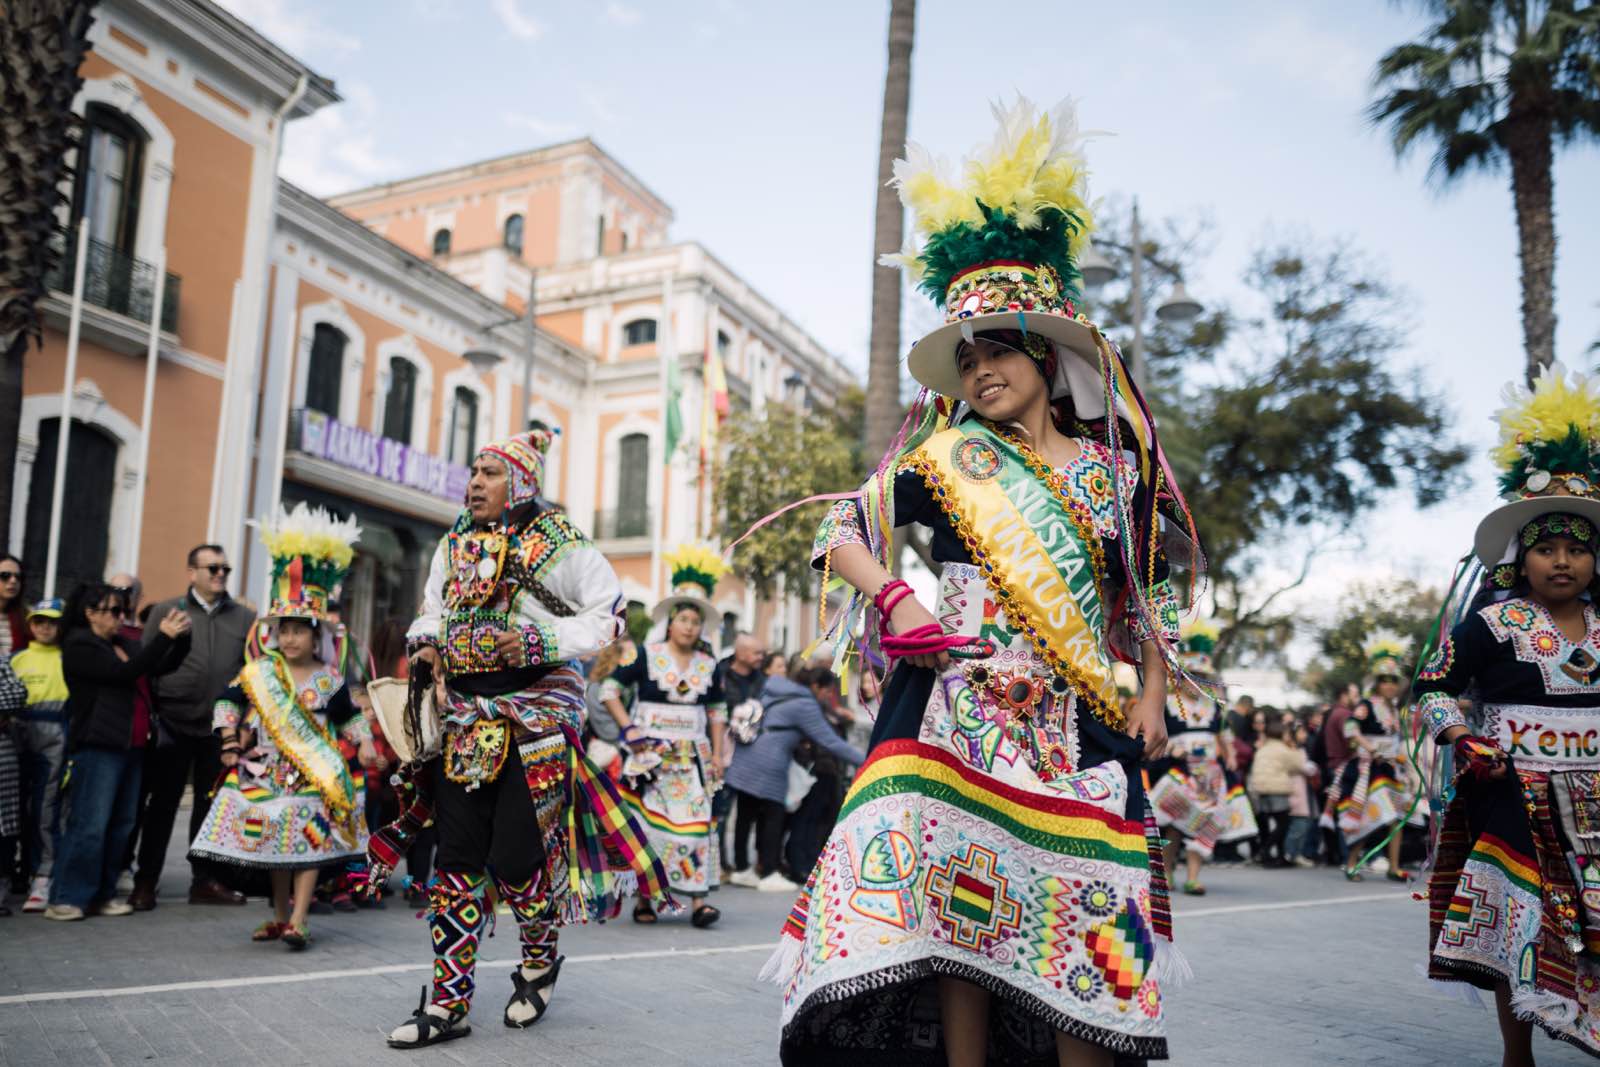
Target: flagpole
point(152, 357)
point(63, 437)
point(666, 349)
point(707, 417)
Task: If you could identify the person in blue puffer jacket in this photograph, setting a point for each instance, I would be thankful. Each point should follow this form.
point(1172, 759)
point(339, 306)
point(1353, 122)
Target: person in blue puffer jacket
point(759, 771)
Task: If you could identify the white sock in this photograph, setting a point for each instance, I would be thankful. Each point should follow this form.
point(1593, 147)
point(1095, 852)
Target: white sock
point(522, 1011)
point(408, 1032)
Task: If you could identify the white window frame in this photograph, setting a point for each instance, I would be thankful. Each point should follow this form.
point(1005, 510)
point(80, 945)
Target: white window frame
point(464, 377)
point(121, 94)
point(332, 313)
point(620, 317)
point(405, 347)
point(91, 408)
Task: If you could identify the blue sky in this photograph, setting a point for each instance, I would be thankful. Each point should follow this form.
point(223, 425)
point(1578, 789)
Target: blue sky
point(758, 122)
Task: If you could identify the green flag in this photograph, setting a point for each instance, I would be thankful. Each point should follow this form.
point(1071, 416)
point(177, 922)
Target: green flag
point(674, 416)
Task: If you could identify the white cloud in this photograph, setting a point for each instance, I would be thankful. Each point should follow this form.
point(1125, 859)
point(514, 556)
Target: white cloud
point(337, 148)
point(293, 26)
point(1289, 43)
point(620, 14)
point(517, 22)
point(542, 128)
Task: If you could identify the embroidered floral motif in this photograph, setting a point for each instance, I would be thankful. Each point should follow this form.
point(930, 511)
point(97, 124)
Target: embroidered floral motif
point(680, 686)
point(1169, 615)
point(1090, 474)
point(538, 644)
point(1085, 982)
point(840, 526)
point(1534, 638)
point(1149, 998)
point(314, 694)
point(1439, 663)
point(1098, 898)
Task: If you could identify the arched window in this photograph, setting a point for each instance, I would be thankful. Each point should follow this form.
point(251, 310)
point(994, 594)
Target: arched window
point(724, 343)
point(106, 188)
point(633, 485)
point(85, 511)
point(639, 332)
point(463, 426)
point(441, 242)
point(401, 401)
point(513, 235)
point(325, 372)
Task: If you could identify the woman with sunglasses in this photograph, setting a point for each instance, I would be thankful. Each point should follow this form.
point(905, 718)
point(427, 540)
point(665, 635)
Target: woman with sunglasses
point(105, 743)
point(13, 620)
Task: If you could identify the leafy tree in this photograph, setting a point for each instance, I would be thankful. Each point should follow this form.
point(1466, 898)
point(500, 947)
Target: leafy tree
point(42, 45)
point(772, 462)
point(1494, 82)
point(1298, 440)
point(1404, 606)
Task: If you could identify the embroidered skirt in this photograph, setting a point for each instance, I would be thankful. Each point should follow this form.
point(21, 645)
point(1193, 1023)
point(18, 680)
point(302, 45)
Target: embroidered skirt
point(673, 803)
point(960, 852)
point(1374, 793)
point(1195, 795)
point(1508, 903)
point(265, 815)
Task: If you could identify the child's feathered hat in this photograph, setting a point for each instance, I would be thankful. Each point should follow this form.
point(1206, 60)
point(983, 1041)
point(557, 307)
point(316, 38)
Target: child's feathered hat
point(695, 570)
point(1549, 460)
point(311, 550)
point(999, 246)
point(1385, 653)
point(1197, 641)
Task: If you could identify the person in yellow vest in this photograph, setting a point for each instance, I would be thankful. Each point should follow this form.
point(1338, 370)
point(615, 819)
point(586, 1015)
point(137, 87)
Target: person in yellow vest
point(995, 853)
point(287, 802)
point(41, 747)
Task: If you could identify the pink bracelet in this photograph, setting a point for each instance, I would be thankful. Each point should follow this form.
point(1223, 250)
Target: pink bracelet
point(882, 600)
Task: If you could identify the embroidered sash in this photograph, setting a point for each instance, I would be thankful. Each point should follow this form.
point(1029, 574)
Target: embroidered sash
point(1032, 553)
point(300, 738)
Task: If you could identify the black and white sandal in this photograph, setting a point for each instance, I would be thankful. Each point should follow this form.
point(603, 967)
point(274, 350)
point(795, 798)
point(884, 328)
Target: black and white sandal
point(431, 1030)
point(527, 992)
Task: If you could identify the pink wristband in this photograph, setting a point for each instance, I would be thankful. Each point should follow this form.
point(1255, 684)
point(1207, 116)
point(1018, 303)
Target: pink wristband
point(882, 600)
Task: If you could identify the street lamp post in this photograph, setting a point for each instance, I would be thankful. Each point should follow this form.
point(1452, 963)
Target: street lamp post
point(529, 351)
point(1178, 309)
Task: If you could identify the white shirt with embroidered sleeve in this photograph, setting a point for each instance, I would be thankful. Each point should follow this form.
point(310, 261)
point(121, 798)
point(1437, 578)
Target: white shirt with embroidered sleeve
point(428, 627)
point(585, 581)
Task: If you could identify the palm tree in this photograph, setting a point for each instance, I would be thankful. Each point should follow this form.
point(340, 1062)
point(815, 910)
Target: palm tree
point(883, 410)
point(1501, 81)
point(42, 45)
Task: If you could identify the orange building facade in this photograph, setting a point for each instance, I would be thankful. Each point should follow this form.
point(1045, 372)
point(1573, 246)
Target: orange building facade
point(183, 108)
point(354, 352)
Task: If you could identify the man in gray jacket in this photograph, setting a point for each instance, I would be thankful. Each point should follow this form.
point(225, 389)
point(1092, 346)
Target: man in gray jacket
point(188, 752)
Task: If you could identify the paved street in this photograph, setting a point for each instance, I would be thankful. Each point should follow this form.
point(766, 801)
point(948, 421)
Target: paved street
point(1288, 966)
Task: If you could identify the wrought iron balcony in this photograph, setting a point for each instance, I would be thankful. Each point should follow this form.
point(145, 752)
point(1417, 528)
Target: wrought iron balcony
point(114, 280)
point(623, 522)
